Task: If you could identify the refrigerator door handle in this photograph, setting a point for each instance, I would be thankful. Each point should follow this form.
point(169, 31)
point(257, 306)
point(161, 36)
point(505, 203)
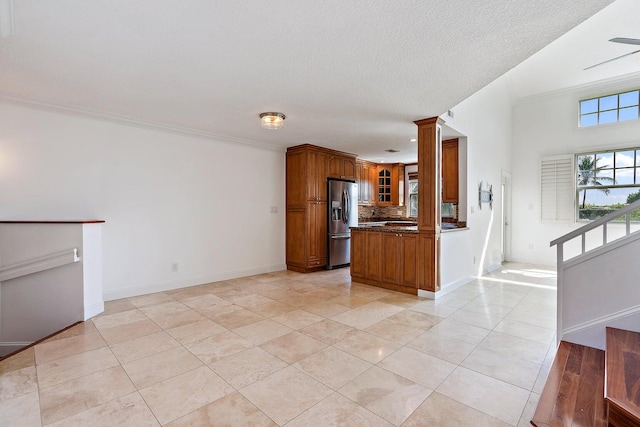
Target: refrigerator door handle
point(340, 237)
point(348, 210)
point(344, 206)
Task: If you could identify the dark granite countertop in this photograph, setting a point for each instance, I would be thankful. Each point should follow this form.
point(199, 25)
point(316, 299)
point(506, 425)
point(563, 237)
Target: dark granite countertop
point(401, 226)
point(386, 228)
point(389, 226)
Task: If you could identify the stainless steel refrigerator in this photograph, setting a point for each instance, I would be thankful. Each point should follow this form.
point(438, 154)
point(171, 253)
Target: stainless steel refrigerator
point(342, 202)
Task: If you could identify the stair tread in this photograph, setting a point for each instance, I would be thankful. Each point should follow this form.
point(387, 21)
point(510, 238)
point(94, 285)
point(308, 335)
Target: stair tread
point(573, 394)
point(623, 371)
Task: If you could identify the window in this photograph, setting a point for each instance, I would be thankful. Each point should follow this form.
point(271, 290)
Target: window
point(413, 194)
point(609, 109)
point(606, 181)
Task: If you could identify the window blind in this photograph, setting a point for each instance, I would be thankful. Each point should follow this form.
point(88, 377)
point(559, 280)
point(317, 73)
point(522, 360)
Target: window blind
point(557, 188)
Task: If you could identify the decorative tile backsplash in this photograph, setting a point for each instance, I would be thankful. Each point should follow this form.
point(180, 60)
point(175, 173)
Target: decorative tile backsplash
point(373, 213)
point(383, 212)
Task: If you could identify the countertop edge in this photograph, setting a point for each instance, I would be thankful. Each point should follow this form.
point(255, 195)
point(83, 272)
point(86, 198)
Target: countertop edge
point(387, 229)
point(391, 229)
point(454, 229)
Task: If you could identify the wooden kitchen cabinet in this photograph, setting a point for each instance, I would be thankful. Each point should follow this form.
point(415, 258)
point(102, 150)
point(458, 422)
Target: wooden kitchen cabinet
point(306, 211)
point(386, 259)
point(400, 268)
point(366, 177)
point(317, 181)
point(384, 185)
point(358, 255)
point(373, 254)
point(359, 181)
point(390, 185)
point(450, 171)
point(317, 234)
point(341, 167)
point(373, 183)
point(391, 257)
point(397, 182)
point(409, 262)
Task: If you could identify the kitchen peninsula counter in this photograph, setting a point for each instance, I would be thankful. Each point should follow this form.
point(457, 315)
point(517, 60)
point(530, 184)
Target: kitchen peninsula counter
point(398, 227)
point(387, 256)
point(381, 227)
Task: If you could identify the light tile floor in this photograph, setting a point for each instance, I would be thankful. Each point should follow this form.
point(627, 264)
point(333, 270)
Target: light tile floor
point(296, 350)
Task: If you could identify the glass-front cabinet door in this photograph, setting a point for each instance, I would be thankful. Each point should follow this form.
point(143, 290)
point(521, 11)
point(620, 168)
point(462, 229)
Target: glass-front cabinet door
point(384, 185)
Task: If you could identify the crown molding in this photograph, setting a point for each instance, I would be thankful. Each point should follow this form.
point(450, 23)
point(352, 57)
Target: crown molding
point(581, 87)
point(129, 121)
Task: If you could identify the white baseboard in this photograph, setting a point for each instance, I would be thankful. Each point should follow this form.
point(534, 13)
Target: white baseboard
point(445, 289)
point(133, 291)
point(535, 261)
point(593, 333)
point(493, 267)
point(10, 347)
point(93, 309)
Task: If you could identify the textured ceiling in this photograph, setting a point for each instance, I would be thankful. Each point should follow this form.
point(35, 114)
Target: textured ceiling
point(351, 75)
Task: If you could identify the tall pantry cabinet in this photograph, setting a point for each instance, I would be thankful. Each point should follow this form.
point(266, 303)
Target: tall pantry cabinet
point(308, 168)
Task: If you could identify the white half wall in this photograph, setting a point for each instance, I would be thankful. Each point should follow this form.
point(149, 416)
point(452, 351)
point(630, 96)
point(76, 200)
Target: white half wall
point(166, 198)
point(547, 126)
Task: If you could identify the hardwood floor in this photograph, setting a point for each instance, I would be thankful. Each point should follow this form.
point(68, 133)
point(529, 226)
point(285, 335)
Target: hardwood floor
point(623, 377)
point(578, 393)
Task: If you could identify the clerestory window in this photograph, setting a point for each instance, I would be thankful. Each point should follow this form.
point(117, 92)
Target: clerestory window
point(610, 109)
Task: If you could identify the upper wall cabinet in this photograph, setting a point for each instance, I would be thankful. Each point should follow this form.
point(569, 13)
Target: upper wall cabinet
point(317, 179)
point(367, 178)
point(384, 185)
point(450, 193)
point(390, 185)
point(341, 167)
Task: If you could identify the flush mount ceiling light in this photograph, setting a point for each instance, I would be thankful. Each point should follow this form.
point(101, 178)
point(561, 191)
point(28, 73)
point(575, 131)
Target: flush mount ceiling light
point(272, 120)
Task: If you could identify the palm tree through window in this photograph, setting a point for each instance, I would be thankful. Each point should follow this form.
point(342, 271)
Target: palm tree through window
point(606, 181)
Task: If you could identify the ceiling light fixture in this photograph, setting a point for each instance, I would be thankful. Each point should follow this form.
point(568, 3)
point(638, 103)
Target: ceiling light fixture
point(272, 120)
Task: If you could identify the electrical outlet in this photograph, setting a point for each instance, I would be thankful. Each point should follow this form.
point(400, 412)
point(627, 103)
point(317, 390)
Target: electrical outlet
point(530, 246)
point(174, 266)
point(274, 209)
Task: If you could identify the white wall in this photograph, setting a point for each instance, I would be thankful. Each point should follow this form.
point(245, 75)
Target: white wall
point(165, 197)
point(546, 126)
point(485, 119)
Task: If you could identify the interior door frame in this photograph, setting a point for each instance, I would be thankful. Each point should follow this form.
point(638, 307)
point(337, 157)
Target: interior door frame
point(505, 212)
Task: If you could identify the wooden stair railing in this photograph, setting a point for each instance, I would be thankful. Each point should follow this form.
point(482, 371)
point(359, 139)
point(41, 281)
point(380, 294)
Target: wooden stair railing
point(591, 387)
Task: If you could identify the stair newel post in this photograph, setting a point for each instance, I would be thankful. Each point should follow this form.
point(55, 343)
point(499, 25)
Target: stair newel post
point(559, 291)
